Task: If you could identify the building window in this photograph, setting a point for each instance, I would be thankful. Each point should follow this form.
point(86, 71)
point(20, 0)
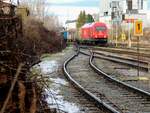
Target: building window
point(129, 3)
point(105, 13)
point(140, 4)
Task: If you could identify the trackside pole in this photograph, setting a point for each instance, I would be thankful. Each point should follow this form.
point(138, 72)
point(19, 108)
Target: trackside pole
point(138, 32)
point(129, 36)
point(138, 55)
point(116, 34)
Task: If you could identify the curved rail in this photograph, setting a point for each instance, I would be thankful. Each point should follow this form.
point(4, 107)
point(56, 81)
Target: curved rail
point(89, 95)
point(137, 90)
point(143, 65)
point(120, 57)
point(122, 51)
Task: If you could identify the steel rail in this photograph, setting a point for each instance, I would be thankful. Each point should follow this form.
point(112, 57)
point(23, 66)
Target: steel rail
point(127, 61)
point(131, 62)
point(121, 57)
point(127, 86)
point(99, 103)
point(122, 51)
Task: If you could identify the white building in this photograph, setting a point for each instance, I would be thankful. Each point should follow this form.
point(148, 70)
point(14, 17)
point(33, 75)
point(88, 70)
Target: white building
point(70, 26)
point(131, 9)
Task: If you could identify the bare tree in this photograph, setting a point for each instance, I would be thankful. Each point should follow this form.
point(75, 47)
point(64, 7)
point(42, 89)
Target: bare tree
point(51, 22)
point(37, 8)
point(40, 9)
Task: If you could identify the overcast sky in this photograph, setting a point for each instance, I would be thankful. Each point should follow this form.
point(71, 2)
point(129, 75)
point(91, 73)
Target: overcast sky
point(89, 3)
point(69, 9)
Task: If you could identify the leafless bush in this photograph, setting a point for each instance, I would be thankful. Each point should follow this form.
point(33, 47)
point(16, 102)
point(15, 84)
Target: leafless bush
point(51, 23)
point(40, 39)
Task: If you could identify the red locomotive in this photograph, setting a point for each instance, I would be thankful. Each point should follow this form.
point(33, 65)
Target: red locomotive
point(96, 32)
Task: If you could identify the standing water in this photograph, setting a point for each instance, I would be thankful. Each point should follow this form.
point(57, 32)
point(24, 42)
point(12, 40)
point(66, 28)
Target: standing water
point(48, 68)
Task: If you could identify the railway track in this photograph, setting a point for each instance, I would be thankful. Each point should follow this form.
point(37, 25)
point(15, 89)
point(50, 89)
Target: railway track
point(131, 60)
point(123, 51)
point(143, 65)
point(96, 101)
point(134, 46)
point(107, 93)
point(85, 106)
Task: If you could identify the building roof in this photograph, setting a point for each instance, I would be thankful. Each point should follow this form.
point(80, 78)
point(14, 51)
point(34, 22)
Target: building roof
point(70, 21)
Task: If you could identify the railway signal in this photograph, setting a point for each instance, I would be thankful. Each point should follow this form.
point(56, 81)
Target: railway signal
point(138, 28)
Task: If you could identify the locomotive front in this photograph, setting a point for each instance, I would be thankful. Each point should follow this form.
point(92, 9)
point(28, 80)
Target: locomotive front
point(100, 32)
point(96, 32)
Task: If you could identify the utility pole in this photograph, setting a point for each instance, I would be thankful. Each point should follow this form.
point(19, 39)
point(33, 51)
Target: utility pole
point(18, 2)
point(116, 33)
point(129, 34)
point(116, 18)
point(112, 32)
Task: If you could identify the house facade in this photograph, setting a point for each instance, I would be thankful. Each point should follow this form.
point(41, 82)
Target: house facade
point(123, 11)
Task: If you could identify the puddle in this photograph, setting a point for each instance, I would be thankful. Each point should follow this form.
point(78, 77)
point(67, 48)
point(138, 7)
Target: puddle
point(58, 101)
point(53, 91)
point(59, 81)
point(45, 67)
point(48, 66)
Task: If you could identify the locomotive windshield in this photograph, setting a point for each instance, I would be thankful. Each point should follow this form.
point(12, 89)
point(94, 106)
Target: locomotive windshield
point(101, 28)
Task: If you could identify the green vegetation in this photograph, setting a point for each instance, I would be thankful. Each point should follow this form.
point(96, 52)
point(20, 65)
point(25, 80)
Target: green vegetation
point(84, 18)
point(81, 19)
point(89, 19)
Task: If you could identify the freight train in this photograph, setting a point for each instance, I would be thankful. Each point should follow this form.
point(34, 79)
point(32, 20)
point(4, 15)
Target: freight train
point(96, 32)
